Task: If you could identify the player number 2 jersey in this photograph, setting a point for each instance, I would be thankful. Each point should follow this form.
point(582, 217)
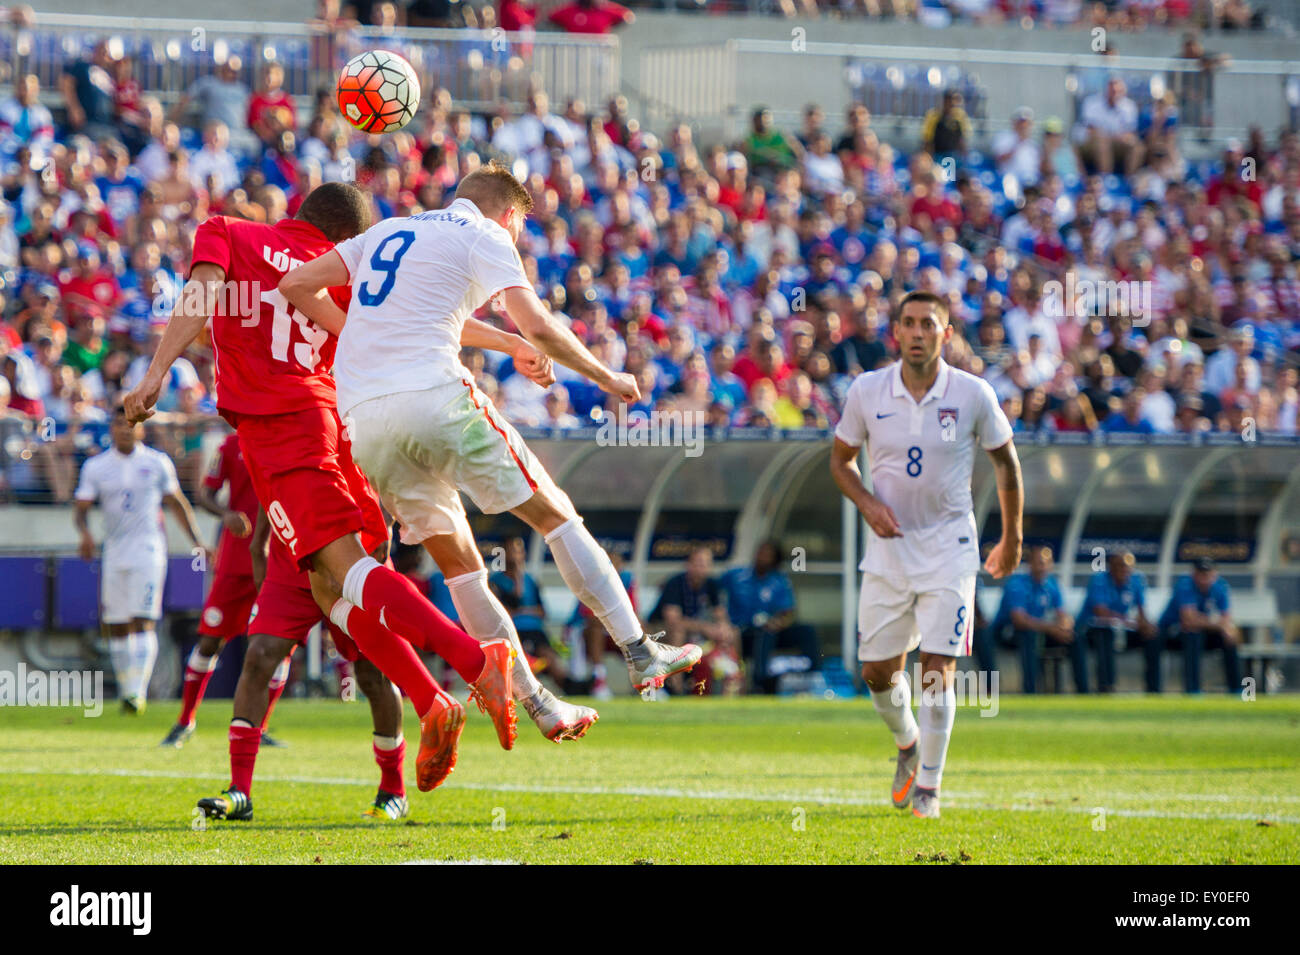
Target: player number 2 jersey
point(921, 456)
point(130, 489)
point(269, 358)
point(414, 282)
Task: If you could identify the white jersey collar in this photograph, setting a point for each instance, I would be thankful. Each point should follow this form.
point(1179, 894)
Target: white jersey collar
point(467, 207)
point(940, 387)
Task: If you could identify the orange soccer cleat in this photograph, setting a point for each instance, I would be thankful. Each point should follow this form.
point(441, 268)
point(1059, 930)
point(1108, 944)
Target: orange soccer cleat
point(493, 691)
point(439, 735)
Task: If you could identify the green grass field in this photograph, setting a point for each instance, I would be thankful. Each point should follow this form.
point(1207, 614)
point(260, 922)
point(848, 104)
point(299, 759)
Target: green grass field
point(1122, 779)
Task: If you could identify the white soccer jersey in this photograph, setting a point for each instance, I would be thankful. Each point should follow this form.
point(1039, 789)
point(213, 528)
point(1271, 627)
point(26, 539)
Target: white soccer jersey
point(920, 457)
point(414, 282)
point(130, 489)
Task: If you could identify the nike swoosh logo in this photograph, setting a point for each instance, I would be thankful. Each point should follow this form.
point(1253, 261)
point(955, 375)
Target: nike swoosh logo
point(930, 768)
point(955, 642)
point(890, 415)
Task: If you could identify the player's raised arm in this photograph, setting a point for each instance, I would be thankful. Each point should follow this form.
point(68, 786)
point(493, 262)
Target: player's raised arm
point(194, 306)
point(1005, 556)
point(307, 289)
point(541, 328)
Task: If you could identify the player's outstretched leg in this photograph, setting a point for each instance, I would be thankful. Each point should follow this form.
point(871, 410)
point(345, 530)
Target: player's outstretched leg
point(389, 747)
point(483, 616)
point(588, 572)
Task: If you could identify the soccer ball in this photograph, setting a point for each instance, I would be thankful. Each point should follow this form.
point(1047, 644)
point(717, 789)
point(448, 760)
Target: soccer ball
point(378, 92)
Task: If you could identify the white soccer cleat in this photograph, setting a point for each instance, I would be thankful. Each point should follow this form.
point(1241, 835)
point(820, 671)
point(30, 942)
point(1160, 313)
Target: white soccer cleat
point(925, 803)
point(557, 719)
point(650, 662)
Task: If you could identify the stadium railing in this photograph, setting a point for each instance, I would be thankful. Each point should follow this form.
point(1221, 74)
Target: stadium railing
point(900, 83)
point(480, 68)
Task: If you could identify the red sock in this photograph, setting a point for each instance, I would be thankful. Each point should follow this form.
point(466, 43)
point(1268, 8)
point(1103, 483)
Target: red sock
point(273, 694)
point(394, 657)
point(390, 768)
point(196, 681)
point(244, 741)
point(409, 613)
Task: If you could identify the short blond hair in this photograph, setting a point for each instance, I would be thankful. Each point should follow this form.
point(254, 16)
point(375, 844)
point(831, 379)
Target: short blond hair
point(495, 190)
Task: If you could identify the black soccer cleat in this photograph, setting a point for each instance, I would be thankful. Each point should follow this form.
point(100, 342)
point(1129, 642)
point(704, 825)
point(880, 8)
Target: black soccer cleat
point(269, 740)
point(178, 735)
point(231, 804)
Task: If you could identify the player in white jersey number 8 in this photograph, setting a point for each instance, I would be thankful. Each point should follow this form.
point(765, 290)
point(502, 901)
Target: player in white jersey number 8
point(921, 420)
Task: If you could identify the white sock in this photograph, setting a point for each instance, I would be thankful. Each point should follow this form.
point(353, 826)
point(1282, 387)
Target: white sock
point(144, 653)
point(355, 581)
point(387, 742)
point(200, 663)
point(339, 614)
point(281, 675)
point(587, 571)
point(484, 619)
point(938, 711)
point(895, 708)
point(598, 671)
point(119, 654)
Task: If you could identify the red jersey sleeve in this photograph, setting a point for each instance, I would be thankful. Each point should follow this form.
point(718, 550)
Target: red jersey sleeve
point(212, 244)
point(216, 475)
point(342, 295)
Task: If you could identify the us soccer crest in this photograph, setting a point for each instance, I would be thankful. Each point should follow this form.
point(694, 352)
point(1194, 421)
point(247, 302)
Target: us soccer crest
point(947, 417)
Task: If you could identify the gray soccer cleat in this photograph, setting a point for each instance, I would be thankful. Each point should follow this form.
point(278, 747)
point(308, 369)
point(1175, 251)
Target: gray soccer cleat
point(179, 735)
point(905, 776)
point(925, 804)
point(650, 662)
point(557, 719)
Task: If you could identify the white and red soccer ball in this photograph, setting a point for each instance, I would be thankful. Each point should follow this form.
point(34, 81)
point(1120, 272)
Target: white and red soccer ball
point(378, 91)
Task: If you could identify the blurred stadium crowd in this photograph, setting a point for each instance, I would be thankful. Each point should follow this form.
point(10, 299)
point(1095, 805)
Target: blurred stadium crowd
point(747, 281)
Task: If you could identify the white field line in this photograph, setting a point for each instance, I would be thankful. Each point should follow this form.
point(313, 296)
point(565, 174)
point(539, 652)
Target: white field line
point(959, 800)
point(474, 861)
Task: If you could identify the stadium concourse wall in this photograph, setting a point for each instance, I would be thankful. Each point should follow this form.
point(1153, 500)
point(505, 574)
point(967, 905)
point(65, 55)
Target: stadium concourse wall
point(1168, 499)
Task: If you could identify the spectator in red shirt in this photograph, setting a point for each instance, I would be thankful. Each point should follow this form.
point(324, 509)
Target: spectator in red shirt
point(89, 284)
point(515, 15)
point(270, 108)
point(591, 16)
point(1231, 183)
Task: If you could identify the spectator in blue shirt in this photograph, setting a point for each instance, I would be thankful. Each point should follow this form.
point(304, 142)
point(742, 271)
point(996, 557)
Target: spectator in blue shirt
point(1129, 418)
point(1199, 615)
point(760, 602)
point(1033, 605)
point(522, 598)
point(1114, 610)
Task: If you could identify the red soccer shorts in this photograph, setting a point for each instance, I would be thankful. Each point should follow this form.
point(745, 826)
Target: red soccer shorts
point(288, 611)
point(303, 473)
point(225, 612)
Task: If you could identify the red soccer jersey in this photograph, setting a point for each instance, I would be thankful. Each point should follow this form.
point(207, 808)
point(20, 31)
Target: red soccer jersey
point(270, 360)
point(228, 468)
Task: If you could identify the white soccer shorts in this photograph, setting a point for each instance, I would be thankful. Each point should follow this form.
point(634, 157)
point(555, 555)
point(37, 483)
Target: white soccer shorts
point(131, 591)
point(894, 618)
point(418, 447)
